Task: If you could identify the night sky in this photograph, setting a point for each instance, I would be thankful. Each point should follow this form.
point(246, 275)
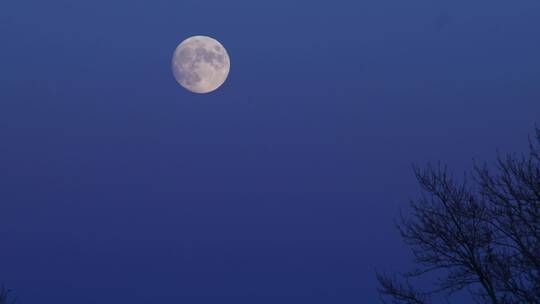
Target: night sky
point(119, 186)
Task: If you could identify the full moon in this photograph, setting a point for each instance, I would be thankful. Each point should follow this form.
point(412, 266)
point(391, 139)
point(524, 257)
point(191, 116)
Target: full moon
point(200, 64)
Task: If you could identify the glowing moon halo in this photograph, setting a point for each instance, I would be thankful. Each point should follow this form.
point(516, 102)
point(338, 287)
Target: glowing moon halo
point(200, 64)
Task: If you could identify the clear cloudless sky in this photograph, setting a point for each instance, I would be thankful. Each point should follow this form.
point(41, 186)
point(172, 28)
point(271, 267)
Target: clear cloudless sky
point(119, 186)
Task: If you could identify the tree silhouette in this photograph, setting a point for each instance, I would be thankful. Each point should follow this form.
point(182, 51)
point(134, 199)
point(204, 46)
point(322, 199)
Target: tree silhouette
point(481, 234)
point(4, 296)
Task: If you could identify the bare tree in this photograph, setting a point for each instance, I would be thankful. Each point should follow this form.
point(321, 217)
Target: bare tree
point(480, 234)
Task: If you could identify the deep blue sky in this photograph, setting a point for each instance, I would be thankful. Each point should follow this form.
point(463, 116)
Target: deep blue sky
point(118, 186)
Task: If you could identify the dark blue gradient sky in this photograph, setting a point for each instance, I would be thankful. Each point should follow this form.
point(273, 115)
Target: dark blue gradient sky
point(118, 186)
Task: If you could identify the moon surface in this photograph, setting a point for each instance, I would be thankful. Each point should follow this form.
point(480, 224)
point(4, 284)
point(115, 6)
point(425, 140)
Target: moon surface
point(201, 64)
